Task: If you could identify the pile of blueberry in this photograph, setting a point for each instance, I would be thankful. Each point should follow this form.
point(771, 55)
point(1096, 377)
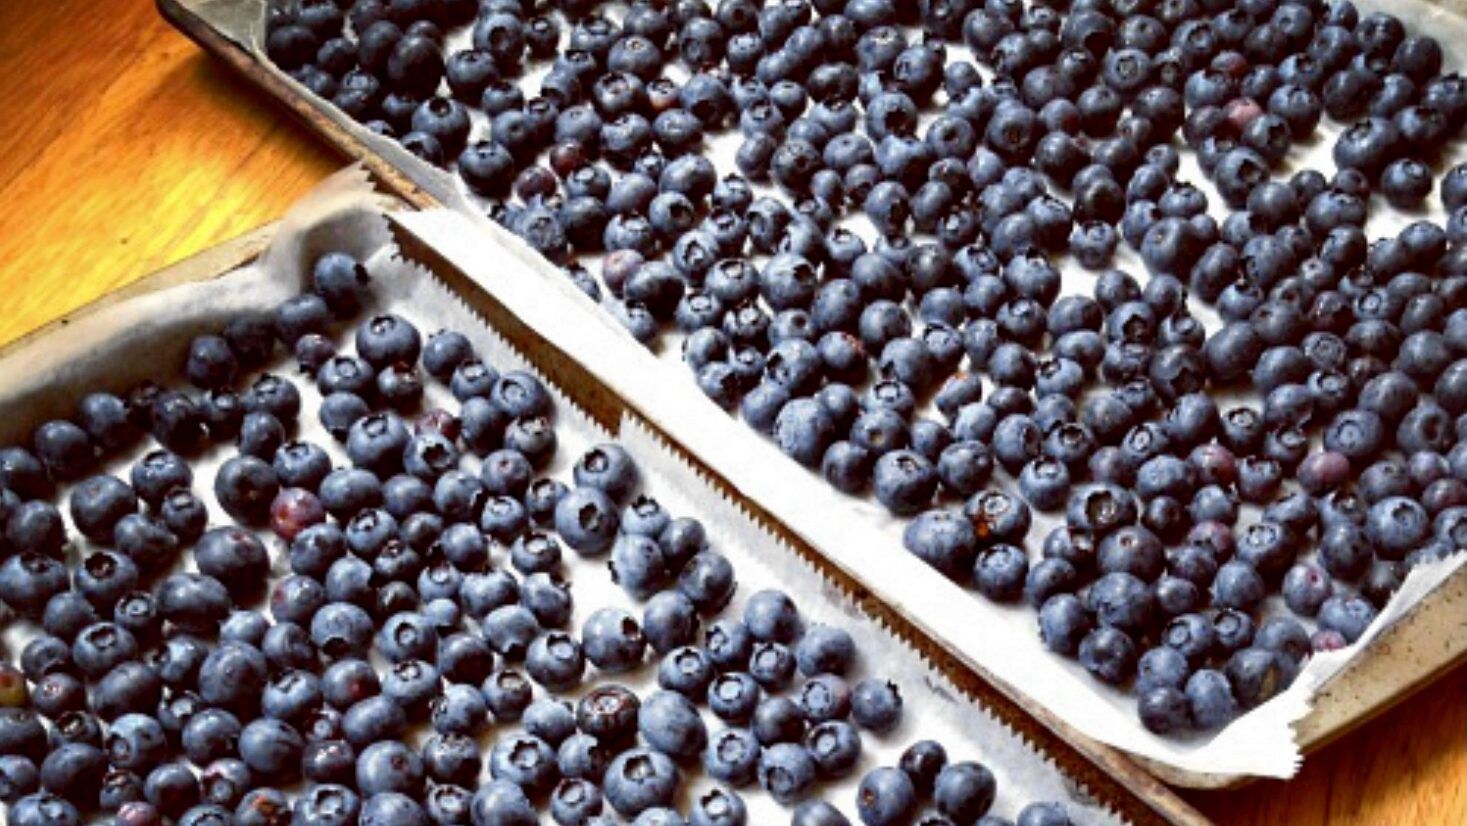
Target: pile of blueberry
point(1051, 148)
point(416, 664)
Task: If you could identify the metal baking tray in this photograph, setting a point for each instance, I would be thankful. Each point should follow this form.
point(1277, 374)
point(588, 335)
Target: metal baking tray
point(1091, 773)
point(1426, 644)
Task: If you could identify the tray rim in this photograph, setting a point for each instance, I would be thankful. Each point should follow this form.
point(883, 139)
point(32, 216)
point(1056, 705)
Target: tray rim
point(1311, 737)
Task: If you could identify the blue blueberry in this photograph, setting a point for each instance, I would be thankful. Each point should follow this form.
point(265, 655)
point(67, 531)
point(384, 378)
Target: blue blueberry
point(718, 807)
point(1210, 699)
point(803, 430)
point(587, 520)
point(964, 791)
point(876, 705)
point(1347, 615)
point(1164, 709)
point(835, 746)
point(669, 722)
point(1000, 571)
point(640, 779)
point(500, 801)
point(885, 797)
point(609, 468)
point(818, 813)
point(823, 649)
point(613, 640)
point(575, 800)
point(272, 749)
point(1109, 654)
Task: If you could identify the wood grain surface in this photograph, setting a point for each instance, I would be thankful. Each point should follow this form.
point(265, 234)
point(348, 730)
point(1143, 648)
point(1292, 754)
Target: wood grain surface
point(123, 149)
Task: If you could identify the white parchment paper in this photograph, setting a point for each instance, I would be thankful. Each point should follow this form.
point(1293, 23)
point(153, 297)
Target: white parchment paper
point(147, 337)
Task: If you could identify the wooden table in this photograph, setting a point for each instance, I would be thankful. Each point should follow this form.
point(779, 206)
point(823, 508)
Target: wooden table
point(123, 149)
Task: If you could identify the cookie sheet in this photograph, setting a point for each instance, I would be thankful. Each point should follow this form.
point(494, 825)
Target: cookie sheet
point(147, 337)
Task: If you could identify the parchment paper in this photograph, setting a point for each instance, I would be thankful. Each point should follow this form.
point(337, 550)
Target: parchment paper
point(153, 331)
point(856, 533)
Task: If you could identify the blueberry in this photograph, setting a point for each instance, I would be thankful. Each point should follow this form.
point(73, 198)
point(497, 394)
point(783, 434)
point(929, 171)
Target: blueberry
point(1258, 479)
point(328, 804)
point(535, 552)
point(548, 598)
point(669, 621)
point(29, 580)
point(36, 525)
point(818, 813)
point(609, 468)
point(613, 640)
point(63, 448)
point(1238, 585)
point(718, 807)
point(101, 647)
point(99, 502)
point(389, 766)
point(582, 756)
point(105, 418)
point(1000, 572)
point(964, 791)
point(509, 630)
point(1164, 709)
point(686, 670)
point(729, 644)
point(885, 796)
point(669, 723)
point(1210, 699)
point(500, 801)
point(233, 556)
point(22, 472)
point(211, 364)
point(575, 800)
point(640, 779)
point(1347, 615)
point(136, 742)
point(771, 616)
point(682, 539)
point(1395, 525)
point(708, 580)
point(1108, 654)
point(876, 705)
point(732, 756)
point(998, 517)
point(733, 696)
point(803, 430)
point(1256, 675)
point(637, 565)
point(73, 772)
point(18, 778)
point(823, 649)
point(1162, 667)
point(772, 665)
point(245, 487)
point(904, 481)
point(1062, 622)
point(964, 467)
point(23, 733)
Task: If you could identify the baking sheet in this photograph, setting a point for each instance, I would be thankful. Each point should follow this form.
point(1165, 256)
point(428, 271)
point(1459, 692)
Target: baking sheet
point(856, 533)
point(44, 376)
